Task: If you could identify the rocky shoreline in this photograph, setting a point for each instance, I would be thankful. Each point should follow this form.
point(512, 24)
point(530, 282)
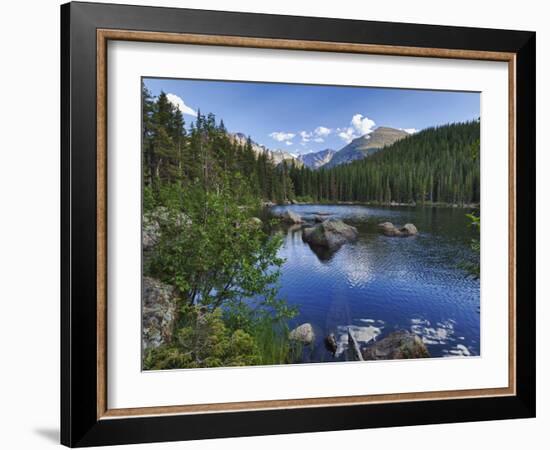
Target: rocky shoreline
point(400, 344)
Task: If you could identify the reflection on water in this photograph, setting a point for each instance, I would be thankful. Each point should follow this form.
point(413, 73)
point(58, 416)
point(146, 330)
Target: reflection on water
point(379, 284)
point(362, 335)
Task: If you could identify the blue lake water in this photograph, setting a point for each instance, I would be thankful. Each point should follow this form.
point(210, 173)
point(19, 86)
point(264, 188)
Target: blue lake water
point(380, 284)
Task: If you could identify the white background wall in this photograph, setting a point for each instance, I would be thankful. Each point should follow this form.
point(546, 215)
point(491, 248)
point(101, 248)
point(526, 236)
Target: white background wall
point(29, 224)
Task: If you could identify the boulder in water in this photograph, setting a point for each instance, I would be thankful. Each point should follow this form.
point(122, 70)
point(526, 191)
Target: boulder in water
point(330, 343)
point(398, 345)
point(409, 230)
point(291, 217)
point(303, 333)
point(331, 234)
point(389, 229)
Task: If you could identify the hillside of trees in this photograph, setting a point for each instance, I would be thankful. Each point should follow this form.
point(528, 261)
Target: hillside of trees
point(436, 165)
point(203, 154)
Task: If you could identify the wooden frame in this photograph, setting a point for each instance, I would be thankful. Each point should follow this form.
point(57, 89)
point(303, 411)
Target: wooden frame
point(86, 418)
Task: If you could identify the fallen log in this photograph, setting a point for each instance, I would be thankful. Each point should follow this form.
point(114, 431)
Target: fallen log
point(354, 347)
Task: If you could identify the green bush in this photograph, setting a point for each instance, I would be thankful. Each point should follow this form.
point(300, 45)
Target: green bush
point(204, 341)
point(224, 265)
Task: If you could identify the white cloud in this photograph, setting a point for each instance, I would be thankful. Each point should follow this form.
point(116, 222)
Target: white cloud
point(180, 104)
point(322, 131)
point(346, 134)
point(281, 136)
point(317, 135)
point(288, 143)
point(362, 124)
point(306, 137)
point(409, 130)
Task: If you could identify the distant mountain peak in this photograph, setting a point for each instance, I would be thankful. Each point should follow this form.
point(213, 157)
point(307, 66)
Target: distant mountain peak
point(315, 160)
point(358, 148)
point(386, 129)
point(276, 156)
point(367, 145)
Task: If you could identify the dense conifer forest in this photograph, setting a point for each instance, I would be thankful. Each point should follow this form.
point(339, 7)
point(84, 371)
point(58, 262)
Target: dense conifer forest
point(204, 154)
point(437, 165)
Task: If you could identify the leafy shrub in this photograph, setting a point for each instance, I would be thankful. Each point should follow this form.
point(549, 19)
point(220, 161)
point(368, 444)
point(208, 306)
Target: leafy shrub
point(204, 341)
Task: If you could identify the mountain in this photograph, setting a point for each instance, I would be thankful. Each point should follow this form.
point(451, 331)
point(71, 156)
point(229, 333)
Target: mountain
point(241, 138)
point(277, 156)
point(317, 159)
point(435, 165)
point(366, 145)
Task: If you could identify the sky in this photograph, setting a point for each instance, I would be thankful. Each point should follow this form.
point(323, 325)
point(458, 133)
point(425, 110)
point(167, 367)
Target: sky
point(301, 119)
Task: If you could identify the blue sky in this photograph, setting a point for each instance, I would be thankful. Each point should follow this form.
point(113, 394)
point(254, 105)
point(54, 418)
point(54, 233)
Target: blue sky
point(304, 118)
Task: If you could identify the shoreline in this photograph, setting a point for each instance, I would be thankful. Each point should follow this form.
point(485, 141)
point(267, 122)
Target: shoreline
point(377, 204)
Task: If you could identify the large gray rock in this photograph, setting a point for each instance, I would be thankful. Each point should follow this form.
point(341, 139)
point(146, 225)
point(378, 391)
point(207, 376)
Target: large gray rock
point(291, 217)
point(154, 221)
point(409, 230)
point(331, 234)
point(150, 233)
point(303, 333)
point(398, 345)
point(159, 312)
point(389, 229)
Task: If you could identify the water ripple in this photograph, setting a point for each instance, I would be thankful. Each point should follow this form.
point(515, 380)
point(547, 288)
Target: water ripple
point(395, 280)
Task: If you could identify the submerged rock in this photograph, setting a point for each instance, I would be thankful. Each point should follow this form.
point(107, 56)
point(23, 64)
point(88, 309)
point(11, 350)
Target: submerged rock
point(331, 233)
point(158, 313)
point(303, 333)
point(398, 345)
point(389, 229)
point(291, 217)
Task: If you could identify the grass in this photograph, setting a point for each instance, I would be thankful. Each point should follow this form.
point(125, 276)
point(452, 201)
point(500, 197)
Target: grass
point(273, 343)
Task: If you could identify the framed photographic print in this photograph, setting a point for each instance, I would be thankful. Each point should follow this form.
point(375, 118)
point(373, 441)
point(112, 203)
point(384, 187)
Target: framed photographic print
point(276, 224)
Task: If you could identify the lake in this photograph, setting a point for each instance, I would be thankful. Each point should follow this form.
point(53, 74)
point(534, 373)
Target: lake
point(379, 284)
